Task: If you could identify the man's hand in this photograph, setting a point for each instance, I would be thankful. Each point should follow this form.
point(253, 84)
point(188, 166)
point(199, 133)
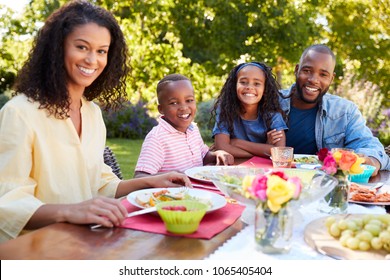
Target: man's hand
point(374, 162)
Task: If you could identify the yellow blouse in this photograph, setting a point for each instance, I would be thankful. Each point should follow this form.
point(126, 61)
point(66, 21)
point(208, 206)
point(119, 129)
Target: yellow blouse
point(43, 160)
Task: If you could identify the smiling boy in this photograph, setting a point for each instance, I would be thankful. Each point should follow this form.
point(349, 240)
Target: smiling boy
point(175, 143)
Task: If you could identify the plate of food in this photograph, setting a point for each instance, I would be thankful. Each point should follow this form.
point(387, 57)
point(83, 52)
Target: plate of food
point(206, 173)
point(369, 194)
point(150, 197)
point(306, 161)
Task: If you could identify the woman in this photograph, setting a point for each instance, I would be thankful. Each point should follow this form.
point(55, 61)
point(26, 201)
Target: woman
point(52, 136)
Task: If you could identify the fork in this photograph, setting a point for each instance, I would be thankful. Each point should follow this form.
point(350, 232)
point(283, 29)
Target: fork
point(183, 189)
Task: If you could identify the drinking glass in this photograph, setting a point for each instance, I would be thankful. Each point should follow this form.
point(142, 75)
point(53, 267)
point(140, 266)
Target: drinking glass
point(282, 157)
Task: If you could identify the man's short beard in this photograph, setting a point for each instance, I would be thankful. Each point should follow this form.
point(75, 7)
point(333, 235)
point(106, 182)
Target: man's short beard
point(301, 97)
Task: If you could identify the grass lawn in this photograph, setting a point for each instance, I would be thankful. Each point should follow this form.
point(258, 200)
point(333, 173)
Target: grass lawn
point(126, 152)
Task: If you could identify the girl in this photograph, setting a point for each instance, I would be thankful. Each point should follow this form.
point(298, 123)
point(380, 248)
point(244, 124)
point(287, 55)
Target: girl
point(249, 120)
point(52, 136)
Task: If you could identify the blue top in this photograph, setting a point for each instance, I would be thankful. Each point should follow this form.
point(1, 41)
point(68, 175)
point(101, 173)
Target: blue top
point(339, 124)
point(301, 133)
point(250, 130)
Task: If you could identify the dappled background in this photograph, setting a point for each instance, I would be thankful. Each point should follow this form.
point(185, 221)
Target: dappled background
point(205, 39)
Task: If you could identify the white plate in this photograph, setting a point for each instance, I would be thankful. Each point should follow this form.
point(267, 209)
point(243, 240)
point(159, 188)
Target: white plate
point(385, 188)
point(217, 201)
point(205, 173)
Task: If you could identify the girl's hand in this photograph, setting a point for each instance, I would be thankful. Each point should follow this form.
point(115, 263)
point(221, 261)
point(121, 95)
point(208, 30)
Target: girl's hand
point(223, 158)
point(105, 211)
point(274, 136)
point(169, 180)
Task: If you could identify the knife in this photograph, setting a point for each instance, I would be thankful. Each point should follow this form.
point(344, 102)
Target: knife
point(132, 214)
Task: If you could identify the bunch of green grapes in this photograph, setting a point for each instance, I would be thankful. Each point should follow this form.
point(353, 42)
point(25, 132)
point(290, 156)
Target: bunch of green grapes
point(369, 231)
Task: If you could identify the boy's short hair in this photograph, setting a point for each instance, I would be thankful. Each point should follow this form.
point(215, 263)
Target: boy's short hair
point(167, 80)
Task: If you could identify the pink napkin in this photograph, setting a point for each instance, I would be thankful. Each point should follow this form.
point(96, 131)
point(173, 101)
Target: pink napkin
point(211, 224)
point(258, 162)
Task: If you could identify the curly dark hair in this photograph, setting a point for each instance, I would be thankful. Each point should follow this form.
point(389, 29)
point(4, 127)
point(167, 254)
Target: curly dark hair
point(229, 105)
point(43, 77)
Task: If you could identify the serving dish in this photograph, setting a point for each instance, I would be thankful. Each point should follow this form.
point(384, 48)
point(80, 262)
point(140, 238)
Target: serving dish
point(316, 236)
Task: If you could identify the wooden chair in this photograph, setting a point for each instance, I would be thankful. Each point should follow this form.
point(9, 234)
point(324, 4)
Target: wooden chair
point(387, 149)
point(110, 160)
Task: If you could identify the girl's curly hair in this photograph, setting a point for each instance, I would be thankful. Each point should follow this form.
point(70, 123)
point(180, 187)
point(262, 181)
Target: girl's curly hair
point(229, 106)
point(43, 77)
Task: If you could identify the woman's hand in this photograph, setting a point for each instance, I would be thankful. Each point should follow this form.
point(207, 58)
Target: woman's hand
point(105, 211)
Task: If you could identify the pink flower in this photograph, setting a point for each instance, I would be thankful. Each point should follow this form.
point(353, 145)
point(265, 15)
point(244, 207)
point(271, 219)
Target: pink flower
point(298, 186)
point(330, 165)
point(259, 187)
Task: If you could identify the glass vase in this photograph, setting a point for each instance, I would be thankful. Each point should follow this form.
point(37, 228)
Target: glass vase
point(336, 202)
point(273, 231)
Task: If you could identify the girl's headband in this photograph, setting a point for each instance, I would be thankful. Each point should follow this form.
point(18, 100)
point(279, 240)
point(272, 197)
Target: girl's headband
point(249, 64)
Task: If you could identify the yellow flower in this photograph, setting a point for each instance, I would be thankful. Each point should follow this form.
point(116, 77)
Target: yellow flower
point(279, 191)
point(337, 156)
point(357, 168)
point(247, 182)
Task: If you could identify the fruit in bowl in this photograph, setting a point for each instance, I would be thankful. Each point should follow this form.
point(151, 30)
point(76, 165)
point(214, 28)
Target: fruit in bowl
point(181, 217)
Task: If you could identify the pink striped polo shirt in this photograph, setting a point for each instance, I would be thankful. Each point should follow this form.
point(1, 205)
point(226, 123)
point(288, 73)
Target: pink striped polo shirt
point(167, 149)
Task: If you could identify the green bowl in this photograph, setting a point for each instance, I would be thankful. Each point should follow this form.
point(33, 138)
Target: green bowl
point(363, 177)
point(182, 222)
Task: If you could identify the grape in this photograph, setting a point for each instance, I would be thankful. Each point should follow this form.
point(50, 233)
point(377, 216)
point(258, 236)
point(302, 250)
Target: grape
point(384, 219)
point(352, 225)
point(329, 221)
point(375, 222)
point(334, 230)
point(385, 236)
point(359, 222)
point(364, 235)
point(353, 243)
point(342, 224)
point(348, 232)
point(364, 246)
point(376, 243)
point(366, 218)
point(343, 239)
point(374, 229)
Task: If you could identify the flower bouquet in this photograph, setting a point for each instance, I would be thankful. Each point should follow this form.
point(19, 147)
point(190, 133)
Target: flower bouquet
point(271, 197)
point(339, 163)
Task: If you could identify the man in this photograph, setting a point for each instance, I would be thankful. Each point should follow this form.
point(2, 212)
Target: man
point(317, 119)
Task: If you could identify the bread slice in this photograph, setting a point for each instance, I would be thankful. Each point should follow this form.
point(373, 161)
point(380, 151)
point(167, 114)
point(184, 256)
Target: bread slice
point(143, 199)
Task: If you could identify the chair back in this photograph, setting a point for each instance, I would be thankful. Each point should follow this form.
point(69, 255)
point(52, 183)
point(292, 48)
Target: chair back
point(110, 160)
